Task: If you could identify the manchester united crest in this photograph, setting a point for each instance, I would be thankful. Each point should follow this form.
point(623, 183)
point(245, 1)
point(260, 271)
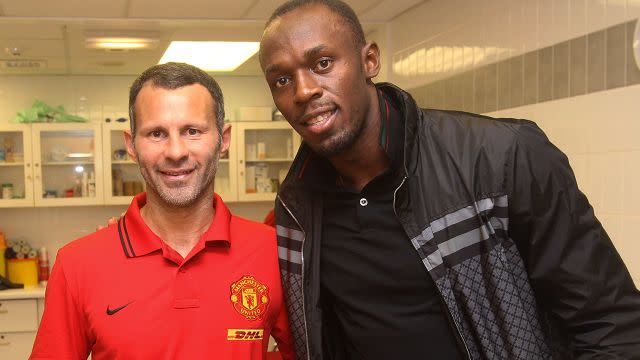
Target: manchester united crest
point(250, 297)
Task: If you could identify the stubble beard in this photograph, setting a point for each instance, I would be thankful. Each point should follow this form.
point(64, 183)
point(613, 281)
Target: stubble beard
point(184, 196)
point(342, 141)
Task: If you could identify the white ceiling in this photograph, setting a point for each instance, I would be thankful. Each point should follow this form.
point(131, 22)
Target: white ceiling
point(52, 32)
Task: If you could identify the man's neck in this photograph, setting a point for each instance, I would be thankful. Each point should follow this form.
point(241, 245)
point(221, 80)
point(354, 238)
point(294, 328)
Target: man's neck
point(179, 228)
point(366, 159)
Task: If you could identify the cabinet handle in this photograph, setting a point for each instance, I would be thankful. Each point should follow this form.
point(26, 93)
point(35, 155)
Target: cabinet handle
point(4, 311)
point(28, 165)
point(37, 164)
point(5, 343)
point(241, 173)
point(240, 161)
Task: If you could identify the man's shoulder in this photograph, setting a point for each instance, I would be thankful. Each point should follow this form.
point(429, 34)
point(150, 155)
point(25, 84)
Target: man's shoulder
point(245, 226)
point(450, 128)
point(469, 122)
point(101, 243)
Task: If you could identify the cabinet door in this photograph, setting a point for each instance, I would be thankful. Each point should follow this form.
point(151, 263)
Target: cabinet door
point(265, 152)
point(16, 165)
point(122, 178)
point(67, 164)
point(16, 345)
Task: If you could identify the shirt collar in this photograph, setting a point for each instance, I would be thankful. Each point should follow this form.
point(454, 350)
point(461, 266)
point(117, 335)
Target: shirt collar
point(137, 239)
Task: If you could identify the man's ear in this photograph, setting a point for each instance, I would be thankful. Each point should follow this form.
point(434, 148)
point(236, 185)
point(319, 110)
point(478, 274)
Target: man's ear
point(128, 140)
point(371, 60)
point(226, 139)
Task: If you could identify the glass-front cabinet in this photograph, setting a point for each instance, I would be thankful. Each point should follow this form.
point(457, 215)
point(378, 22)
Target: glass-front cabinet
point(16, 175)
point(122, 177)
point(57, 164)
point(67, 164)
point(265, 152)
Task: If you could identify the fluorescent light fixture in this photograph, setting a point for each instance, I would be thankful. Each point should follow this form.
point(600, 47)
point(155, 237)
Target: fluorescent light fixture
point(210, 55)
point(120, 40)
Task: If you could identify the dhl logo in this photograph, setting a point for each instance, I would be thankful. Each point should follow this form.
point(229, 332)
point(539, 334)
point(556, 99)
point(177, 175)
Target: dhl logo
point(245, 334)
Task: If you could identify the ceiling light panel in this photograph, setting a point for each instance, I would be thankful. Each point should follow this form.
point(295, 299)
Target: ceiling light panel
point(210, 55)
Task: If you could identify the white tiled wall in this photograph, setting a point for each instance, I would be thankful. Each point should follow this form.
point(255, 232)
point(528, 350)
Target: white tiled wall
point(495, 29)
point(600, 132)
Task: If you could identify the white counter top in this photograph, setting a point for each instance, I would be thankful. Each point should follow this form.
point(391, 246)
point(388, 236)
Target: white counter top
point(26, 293)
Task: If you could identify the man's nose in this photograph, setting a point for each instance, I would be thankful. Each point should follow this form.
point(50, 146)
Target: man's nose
point(307, 87)
point(176, 148)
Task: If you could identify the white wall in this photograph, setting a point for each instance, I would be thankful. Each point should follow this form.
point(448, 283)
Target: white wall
point(108, 96)
point(600, 132)
point(494, 30)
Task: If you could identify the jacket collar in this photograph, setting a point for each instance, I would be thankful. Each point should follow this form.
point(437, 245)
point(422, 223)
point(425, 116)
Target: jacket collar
point(309, 163)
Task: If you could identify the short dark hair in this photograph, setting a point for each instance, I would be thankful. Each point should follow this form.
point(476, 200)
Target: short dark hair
point(338, 7)
point(174, 76)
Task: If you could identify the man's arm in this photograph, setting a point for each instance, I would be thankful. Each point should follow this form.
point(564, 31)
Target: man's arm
point(576, 273)
point(63, 330)
point(282, 334)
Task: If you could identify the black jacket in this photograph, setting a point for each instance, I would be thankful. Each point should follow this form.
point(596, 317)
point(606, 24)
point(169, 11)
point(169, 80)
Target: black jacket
point(493, 209)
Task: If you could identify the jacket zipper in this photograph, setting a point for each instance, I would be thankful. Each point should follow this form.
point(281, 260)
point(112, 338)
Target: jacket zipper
point(304, 310)
point(450, 317)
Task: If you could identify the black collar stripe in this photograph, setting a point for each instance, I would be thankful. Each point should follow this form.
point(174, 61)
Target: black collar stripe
point(124, 248)
point(386, 143)
point(304, 166)
point(124, 225)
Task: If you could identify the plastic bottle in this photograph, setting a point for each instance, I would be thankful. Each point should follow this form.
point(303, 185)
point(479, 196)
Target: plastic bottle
point(91, 185)
point(7, 191)
point(43, 266)
point(85, 185)
point(3, 247)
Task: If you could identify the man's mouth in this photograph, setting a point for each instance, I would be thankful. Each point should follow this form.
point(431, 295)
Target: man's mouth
point(176, 174)
point(318, 117)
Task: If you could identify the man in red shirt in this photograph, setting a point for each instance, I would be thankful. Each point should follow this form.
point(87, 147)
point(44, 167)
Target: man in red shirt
point(178, 277)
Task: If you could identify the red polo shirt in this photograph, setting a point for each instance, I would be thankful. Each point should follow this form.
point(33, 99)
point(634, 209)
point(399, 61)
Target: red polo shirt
point(122, 293)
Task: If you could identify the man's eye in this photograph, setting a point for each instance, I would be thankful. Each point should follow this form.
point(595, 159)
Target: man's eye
point(156, 133)
point(282, 81)
point(323, 64)
point(192, 132)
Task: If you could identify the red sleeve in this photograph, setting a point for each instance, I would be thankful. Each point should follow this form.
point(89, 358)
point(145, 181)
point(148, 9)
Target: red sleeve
point(270, 219)
point(282, 334)
point(63, 330)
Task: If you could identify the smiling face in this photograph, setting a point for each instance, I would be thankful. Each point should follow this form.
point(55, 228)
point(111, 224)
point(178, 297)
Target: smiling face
point(177, 145)
point(319, 78)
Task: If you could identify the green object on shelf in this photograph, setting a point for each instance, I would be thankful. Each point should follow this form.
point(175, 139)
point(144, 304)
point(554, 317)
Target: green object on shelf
point(41, 112)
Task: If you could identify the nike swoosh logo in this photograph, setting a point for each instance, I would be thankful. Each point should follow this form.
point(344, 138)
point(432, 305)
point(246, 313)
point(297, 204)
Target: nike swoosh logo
point(113, 311)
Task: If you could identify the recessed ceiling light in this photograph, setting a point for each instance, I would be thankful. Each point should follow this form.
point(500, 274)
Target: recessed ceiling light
point(111, 40)
point(210, 55)
point(125, 43)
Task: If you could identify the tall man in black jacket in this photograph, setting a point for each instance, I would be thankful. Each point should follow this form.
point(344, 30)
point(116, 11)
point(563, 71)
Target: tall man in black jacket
point(410, 233)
